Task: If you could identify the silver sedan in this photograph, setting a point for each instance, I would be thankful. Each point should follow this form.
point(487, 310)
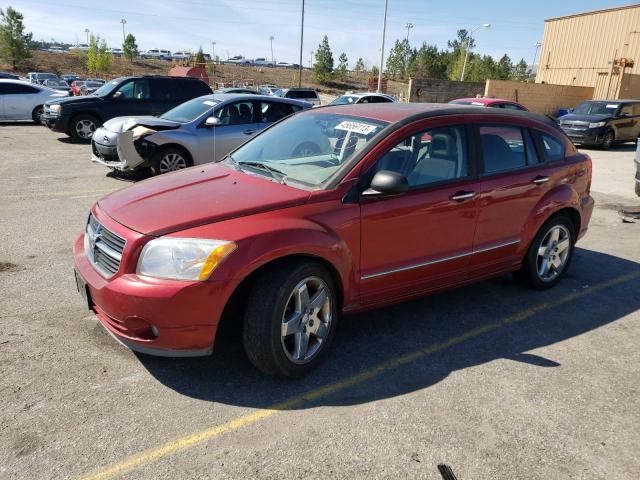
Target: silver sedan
point(23, 100)
point(201, 130)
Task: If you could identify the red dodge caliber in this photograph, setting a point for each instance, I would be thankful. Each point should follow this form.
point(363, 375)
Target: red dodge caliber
point(332, 210)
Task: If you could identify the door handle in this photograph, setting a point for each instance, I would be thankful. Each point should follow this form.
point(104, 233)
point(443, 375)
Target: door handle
point(462, 196)
point(539, 180)
point(249, 132)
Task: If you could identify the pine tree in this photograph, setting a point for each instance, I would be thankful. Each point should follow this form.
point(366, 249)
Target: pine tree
point(104, 58)
point(200, 56)
point(15, 45)
point(130, 47)
point(360, 65)
point(343, 66)
point(323, 67)
point(92, 55)
point(521, 71)
point(399, 58)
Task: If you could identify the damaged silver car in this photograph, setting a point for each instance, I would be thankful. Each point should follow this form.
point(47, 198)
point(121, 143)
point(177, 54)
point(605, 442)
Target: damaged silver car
point(201, 130)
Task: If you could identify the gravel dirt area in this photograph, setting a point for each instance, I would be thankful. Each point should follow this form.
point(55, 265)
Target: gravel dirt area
point(494, 380)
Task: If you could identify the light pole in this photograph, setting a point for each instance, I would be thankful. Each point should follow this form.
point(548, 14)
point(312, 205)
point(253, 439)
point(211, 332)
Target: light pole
point(301, 38)
point(466, 54)
point(271, 39)
point(535, 54)
point(384, 31)
point(86, 30)
point(123, 21)
point(408, 26)
point(311, 59)
point(213, 52)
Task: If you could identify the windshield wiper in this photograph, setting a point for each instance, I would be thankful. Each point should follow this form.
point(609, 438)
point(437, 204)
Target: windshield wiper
point(263, 166)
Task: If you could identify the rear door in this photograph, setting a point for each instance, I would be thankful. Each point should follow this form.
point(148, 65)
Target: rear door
point(514, 177)
point(421, 240)
point(626, 123)
point(238, 123)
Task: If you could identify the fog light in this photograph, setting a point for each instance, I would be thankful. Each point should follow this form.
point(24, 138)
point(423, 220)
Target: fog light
point(154, 330)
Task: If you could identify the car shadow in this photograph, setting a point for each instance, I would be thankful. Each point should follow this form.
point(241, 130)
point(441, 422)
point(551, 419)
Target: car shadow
point(135, 176)
point(496, 319)
point(25, 123)
point(621, 147)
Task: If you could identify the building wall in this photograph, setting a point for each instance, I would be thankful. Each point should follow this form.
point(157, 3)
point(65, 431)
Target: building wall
point(539, 97)
point(424, 90)
point(579, 49)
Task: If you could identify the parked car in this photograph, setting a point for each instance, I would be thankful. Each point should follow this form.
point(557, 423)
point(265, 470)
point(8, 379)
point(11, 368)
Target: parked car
point(20, 100)
point(637, 162)
point(332, 210)
point(239, 90)
point(116, 52)
point(490, 102)
point(81, 47)
point(89, 87)
point(157, 54)
point(365, 97)
point(267, 89)
point(184, 55)
point(603, 122)
point(79, 117)
point(39, 77)
point(199, 131)
point(70, 77)
point(9, 76)
point(239, 60)
point(304, 94)
point(59, 85)
point(76, 87)
point(283, 65)
point(262, 62)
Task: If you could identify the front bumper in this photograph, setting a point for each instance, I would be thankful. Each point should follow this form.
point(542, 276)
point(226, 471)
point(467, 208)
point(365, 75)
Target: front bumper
point(589, 136)
point(115, 150)
point(57, 123)
point(153, 316)
point(586, 210)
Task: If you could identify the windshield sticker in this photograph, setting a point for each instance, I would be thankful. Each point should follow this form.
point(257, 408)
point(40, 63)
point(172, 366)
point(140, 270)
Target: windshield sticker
point(356, 127)
point(209, 102)
point(612, 106)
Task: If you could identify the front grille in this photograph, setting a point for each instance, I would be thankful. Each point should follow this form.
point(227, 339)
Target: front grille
point(104, 248)
point(575, 125)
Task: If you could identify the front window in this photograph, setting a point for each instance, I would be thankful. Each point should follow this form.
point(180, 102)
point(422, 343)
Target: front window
point(308, 148)
point(344, 100)
point(107, 88)
point(189, 111)
point(596, 108)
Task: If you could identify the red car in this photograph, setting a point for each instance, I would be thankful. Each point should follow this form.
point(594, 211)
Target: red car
point(490, 102)
point(332, 210)
point(76, 87)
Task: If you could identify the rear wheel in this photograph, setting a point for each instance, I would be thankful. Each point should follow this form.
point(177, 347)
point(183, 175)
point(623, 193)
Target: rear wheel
point(169, 159)
point(607, 141)
point(36, 115)
point(83, 126)
point(290, 319)
point(549, 255)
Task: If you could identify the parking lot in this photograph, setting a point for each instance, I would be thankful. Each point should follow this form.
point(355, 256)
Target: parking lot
point(495, 380)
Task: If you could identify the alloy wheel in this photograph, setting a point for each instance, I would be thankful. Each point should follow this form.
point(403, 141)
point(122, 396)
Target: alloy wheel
point(171, 162)
point(306, 320)
point(553, 253)
point(85, 128)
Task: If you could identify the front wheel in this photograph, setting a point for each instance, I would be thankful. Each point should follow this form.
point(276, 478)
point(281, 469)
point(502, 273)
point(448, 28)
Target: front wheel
point(290, 319)
point(607, 141)
point(83, 127)
point(169, 159)
point(549, 254)
point(37, 113)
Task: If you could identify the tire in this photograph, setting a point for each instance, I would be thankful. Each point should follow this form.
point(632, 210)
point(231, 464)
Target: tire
point(169, 159)
point(532, 272)
point(607, 141)
point(270, 341)
point(82, 127)
point(37, 113)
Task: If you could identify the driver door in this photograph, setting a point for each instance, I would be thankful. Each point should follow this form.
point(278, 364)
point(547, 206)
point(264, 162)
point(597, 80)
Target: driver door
point(421, 240)
point(237, 125)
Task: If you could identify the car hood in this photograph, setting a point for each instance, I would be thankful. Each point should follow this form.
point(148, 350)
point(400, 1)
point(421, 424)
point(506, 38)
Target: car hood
point(196, 196)
point(76, 100)
point(122, 124)
point(572, 117)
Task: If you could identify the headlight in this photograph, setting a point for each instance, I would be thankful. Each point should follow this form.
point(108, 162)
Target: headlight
point(56, 109)
point(183, 258)
point(597, 124)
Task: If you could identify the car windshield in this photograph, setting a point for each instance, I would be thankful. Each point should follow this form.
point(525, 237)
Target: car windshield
point(308, 148)
point(105, 89)
point(189, 111)
point(596, 108)
point(344, 100)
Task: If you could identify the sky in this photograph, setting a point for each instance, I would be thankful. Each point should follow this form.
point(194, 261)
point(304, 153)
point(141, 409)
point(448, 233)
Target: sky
point(243, 27)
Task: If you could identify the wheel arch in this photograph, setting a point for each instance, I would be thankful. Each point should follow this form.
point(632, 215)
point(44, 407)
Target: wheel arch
point(171, 144)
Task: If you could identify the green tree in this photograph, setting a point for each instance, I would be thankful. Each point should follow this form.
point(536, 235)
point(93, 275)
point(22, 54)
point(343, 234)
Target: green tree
point(429, 62)
point(15, 45)
point(130, 47)
point(360, 65)
point(521, 71)
point(504, 68)
point(343, 66)
point(323, 67)
point(375, 71)
point(104, 59)
point(200, 56)
point(92, 54)
point(399, 58)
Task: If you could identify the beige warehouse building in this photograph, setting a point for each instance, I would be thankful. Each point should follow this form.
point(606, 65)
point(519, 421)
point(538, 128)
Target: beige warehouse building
point(599, 49)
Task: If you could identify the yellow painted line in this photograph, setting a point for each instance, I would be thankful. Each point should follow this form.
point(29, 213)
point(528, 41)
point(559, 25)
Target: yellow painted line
point(58, 194)
point(156, 453)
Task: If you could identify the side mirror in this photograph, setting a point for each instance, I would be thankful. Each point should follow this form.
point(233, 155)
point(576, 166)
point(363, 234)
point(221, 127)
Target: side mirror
point(212, 121)
point(117, 95)
point(385, 183)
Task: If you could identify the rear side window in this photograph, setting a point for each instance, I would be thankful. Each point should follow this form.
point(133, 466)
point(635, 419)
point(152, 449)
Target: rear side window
point(626, 110)
point(162, 89)
point(553, 148)
point(503, 148)
point(273, 111)
point(302, 94)
point(187, 89)
point(14, 88)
